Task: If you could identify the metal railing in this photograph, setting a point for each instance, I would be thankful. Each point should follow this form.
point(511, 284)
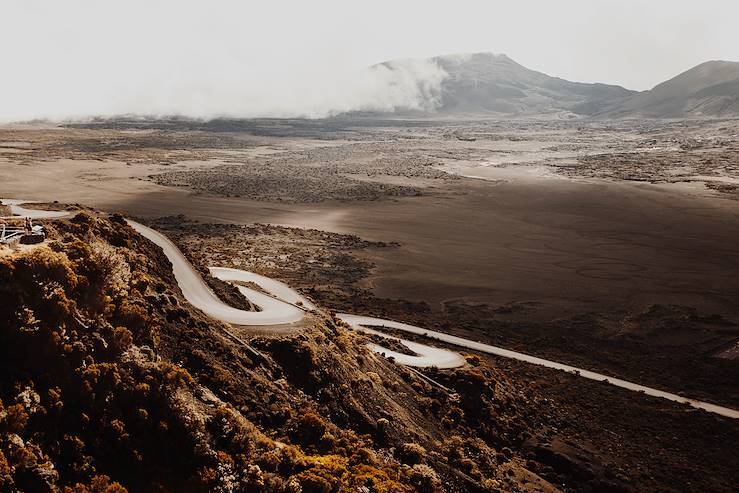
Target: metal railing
point(10, 233)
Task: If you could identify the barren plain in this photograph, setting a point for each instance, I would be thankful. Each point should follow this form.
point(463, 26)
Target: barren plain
point(610, 245)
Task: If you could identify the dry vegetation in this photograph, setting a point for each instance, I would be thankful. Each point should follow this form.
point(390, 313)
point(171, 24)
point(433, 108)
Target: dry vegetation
point(132, 147)
point(613, 434)
point(283, 183)
point(310, 259)
point(111, 382)
point(353, 171)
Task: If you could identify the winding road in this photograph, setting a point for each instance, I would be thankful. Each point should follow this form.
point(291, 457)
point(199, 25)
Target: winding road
point(287, 306)
point(17, 210)
point(283, 308)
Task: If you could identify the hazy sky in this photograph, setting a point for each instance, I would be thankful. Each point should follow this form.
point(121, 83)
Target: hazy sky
point(69, 58)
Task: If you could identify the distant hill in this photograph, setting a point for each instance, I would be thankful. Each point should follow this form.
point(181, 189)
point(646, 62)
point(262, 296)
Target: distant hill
point(709, 90)
point(486, 84)
point(490, 84)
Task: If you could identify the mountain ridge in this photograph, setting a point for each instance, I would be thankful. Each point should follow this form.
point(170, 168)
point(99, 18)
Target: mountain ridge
point(489, 84)
point(495, 84)
point(710, 89)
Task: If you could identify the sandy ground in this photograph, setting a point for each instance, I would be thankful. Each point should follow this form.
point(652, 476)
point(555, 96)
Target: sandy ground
point(560, 220)
point(524, 233)
point(561, 243)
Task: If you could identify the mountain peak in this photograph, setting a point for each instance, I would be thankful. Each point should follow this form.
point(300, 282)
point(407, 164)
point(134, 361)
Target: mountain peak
point(715, 68)
point(718, 63)
point(708, 90)
point(493, 84)
point(479, 56)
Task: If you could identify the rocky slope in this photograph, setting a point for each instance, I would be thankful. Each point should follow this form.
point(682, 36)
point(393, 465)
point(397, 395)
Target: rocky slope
point(111, 382)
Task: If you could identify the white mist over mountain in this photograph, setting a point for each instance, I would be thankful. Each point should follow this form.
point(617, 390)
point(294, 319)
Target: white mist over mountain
point(212, 93)
point(80, 58)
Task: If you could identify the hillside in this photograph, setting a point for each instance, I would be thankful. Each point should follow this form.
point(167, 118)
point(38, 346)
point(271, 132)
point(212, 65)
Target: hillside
point(111, 382)
point(710, 90)
point(495, 85)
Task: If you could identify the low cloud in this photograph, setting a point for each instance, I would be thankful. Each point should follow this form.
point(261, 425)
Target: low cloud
point(221, 88)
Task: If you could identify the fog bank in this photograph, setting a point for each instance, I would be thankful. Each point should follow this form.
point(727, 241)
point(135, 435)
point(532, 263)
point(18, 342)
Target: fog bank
point(79, 58)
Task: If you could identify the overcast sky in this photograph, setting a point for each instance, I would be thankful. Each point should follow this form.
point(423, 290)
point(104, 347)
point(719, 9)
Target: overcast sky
point(71, 58)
